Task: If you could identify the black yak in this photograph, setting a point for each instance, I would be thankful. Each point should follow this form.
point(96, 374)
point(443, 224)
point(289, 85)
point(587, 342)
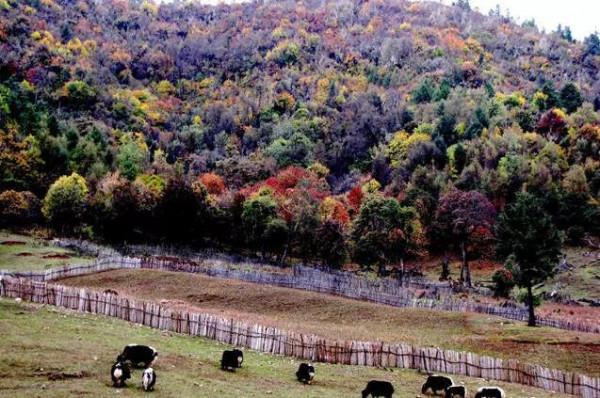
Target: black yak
point(138, 354)
point(119, 372)
point(232, 359)
point(148, 379)
point(378, 389)
point(456, 392)
point(436, 384)
point(306, 373)
point(490, 392)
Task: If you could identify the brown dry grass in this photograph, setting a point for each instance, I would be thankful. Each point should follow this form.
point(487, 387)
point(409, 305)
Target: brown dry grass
point(340, 318)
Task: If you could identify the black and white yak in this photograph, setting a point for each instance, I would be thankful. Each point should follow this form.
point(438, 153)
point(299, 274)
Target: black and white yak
point(306, 373)
point(119, 373)
point(232, 359)
point(456, 392)
point(490, 392)
point(378, 389)
point(138, 354)
point(148, 379)
point(436, 384)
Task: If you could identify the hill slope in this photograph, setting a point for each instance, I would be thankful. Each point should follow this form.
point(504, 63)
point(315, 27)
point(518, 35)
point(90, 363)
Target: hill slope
point(187, 114)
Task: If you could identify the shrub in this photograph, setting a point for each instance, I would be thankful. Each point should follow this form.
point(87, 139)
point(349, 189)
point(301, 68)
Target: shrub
point(64, 204)
point(503, 283)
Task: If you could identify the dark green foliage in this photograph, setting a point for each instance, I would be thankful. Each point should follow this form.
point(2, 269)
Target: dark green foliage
point(572, 213)
point(257, 214)
point(445, 129)
point(528, 237)
point(592, 44)
point(332, 249)
point(570, 98)
point(425, 92)
point(479, 121)
point(381, 231)
point(182, 212)
point(552, 96)
point(443, 90)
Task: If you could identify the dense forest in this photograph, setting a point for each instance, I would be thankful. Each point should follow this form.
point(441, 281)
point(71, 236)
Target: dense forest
point(325, 130)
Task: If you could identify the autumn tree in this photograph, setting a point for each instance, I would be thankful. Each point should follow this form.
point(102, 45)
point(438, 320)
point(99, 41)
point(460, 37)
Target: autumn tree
point(214, 183)
point(459, 215)
point(382, 232)
point(18, 207)
point(65, 202)
point(530, 242)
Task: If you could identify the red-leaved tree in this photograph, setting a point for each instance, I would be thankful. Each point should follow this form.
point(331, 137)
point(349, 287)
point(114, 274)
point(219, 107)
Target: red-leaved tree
point(459, 216)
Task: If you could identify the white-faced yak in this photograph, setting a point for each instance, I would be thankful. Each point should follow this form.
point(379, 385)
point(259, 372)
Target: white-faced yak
point(119, 373)
point(305, 373)
point(148, 379)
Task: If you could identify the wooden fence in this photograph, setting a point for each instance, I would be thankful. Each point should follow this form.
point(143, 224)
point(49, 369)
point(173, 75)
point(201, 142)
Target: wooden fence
point(101, 264)
point(309, 347)
point(383, 291)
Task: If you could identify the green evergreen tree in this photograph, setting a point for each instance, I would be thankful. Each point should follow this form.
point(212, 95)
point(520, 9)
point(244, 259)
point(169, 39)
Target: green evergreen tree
point(570, 98)
point(527, 236)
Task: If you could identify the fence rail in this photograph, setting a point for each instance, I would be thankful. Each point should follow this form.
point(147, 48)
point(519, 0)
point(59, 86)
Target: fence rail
point(310, 347)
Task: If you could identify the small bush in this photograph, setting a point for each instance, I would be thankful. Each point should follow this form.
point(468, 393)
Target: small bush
point(504, 282)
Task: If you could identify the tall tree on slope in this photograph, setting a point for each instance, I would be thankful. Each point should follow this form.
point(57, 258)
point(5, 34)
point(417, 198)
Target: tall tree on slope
point(528, 237)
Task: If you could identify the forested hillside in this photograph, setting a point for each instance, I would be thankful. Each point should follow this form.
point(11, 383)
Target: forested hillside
point(326, 130)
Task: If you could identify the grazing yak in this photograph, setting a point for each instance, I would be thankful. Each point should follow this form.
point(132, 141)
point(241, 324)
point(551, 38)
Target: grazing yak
point(232, 359)
point(306, 373)
point(138, 354)
point(378, 389)
point(148, 379)
point(490, 392)
point(436, 384)
point(456, 392)
point(119, 372)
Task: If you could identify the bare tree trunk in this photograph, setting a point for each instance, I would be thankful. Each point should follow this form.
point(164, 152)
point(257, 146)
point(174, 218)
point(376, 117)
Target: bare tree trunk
point(465, 272)
point(531, 321)
point(401, 271)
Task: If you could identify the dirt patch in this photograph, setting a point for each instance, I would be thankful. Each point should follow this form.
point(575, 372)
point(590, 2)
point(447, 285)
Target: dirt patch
point(24, 254)
point(13, 242)
point(54, 376)
point(57, 256)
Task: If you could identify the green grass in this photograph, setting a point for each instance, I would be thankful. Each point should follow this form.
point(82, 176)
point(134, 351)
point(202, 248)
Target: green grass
point(39, 341)
point(33, 254)
point(584, 280)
